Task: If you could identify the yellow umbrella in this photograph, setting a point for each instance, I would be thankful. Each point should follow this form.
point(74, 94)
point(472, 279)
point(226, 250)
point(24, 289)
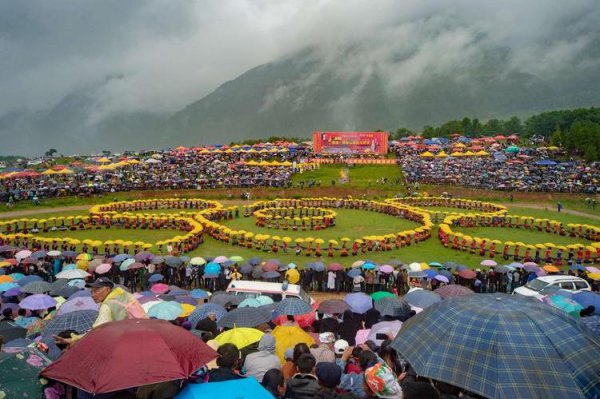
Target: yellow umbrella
point(551, 269)
point(549, 245)
point(319, 241)
point(594, 276)
point(540, 246)
point(288, 337)
point(293, 276)
point(187, 309)
point(299, 240)
point(240, 337)
point(286, 239)
point(334, 242)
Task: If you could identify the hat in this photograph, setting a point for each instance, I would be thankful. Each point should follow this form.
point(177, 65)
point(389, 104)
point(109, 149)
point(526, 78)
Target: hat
point(289, 354)
point(340, 346)
point(382, 381)
point(101, 282)
point(327, 338)
point(267, 343)
point(329, 374)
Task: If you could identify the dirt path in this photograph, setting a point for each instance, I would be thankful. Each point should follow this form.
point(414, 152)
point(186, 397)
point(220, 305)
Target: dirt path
point(29, 212)
point(545, 207)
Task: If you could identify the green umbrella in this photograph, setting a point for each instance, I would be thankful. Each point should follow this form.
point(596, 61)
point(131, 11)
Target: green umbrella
point(381, 294)
point(513, 149)
point(236, 259)
point(20, 374)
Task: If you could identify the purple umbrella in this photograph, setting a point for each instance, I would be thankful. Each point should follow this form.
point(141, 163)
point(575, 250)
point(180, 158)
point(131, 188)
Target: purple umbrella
point(386, 269)
point(359, 302)
point(12, 292)
point(143, 256)
point(38, 302)
point(72, 305)
point(531, 268)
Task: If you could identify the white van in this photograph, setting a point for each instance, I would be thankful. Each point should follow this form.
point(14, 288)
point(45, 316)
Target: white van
point(276, 291)
point(542, 286)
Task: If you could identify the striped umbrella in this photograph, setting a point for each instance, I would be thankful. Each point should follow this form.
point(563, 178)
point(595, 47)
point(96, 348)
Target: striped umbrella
point(292, 307)
point(80, 321)
point(245, 317)
point(502, 346)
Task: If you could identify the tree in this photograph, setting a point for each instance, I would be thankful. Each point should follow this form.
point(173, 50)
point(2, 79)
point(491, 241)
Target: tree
point(429, 132)
point(50, 153)
point(401, 132)
point(493, 126)
point(557, 136)
point(451, 127)
point(513, 126)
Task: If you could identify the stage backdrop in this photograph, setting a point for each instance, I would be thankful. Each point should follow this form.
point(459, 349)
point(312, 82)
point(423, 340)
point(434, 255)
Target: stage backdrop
point(350, 142)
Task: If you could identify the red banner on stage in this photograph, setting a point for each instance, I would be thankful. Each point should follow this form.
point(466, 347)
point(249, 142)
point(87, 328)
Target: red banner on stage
point(350, 142)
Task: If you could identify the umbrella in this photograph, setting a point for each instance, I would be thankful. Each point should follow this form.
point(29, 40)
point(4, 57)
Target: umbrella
point(177, 291)
point(37, 287)
point(269, 275)
point(467, 274)
point(246, 268)
point(10, 330)
point(8, 286)
point(592, 324)
point(292, 306)
point(54, 253)
point(143, 256)
point(220, 259)
point(79, 320)
point(382, 294)
point(587, 298)
point(22, 254)
point(126, 263)
point(333, 306)
point(269, 266)
point(14, 291)
point(387, 269)
point(157, 260)
point(519, 348)
point(240, 337)
point(245, 317)
point(159, 288)
point(359, 302)
point(202, 312)
point(354, 273)
point(395, 307)
point(121, 257)
point(20, 374)
point(16, 276)
point(257, 272)
point(223, 298)
point(442, 278)
point(69, 274)
point(167, 310)
point(254, 261)
point(197, 293)
point(39, 254)
point(287, 337)
point(264, 300)
point(368, 266)
point(384, 327)
point(236, 259)
point(38, 302)
point(335, 267)
point(452, 290)
point(565, 304)
point(422, 298)
point(249, 303)
point(69, 254)
point(78, 304)
point(103, 268)
point(197, 261)
point(243, 388)
point(212, 268)
point(155, 278)
point(102, 360)
point(488, 262)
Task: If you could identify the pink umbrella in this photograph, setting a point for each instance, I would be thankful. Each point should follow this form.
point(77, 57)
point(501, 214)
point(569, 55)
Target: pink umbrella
point(386, 269)
point(361, 336)
point(488, 262)
point(335, 267)
point(530, 264)
point(159, 288)
point(592, 269)
point(103, 268)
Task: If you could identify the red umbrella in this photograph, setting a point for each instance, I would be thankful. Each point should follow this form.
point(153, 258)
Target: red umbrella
point(130, 353)
point(335, 267)
point(269, 266)
point(452, 290)
point(467, 274)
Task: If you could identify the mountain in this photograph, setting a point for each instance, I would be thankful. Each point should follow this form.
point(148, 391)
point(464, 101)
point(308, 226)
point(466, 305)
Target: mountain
point(302, 93)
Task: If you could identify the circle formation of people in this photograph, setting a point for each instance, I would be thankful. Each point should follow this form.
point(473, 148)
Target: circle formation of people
point(295, 219)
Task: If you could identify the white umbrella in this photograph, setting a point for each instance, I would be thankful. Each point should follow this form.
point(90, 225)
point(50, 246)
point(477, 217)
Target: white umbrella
point(73, 273)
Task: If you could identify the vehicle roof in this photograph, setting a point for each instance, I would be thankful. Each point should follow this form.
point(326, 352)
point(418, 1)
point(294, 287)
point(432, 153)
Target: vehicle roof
point(555, 278)
point(263, 286)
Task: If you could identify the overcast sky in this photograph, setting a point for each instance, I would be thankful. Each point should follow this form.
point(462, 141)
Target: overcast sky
point(161, 55)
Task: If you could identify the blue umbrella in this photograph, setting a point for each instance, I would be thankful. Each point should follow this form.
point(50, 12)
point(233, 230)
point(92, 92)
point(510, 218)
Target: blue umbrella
point(246, 268)
point(80, 321)
point(359, 302)
point(212, 268)
point(155, 278)
point(16, 276)
point(121, 257)
point(318, 266)
point(250, 303)
point(592, 324)
point(7, 286)
point(202, 311)
point(565, 304)
point(69, 254)
point(198, 294)
point(368, 266)
point(168, 310)
point(520, 348)
point(70, 266)
point(80, 294)
point(460, 268)
point(353, 273)
point(430, 273)
point(255, 261)
point(38, 254)
point(245, 317)
point(292, 306)
point(243, 388)
point(422, 298)
point(577, 266)
point(445, 273)
point(29, 279)
point(435, 264)
point(588, 298)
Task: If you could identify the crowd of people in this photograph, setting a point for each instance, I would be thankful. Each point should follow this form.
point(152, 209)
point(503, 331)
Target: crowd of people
point(335, 348)
point(495, 168)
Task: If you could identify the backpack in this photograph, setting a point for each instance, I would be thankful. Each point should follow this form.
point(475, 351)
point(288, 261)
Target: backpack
point(133, 309)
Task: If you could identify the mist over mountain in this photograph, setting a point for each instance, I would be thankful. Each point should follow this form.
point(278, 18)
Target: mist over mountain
point(154, 75)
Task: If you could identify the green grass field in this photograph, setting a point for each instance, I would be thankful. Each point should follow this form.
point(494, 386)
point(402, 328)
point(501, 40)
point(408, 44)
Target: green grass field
point(360, 176)
point(113, 233)
point(526, 236)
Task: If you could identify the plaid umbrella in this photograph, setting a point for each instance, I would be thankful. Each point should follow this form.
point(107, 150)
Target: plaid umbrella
point(202, 311)
point(29, 279)
point(37, 287)
point(80, 321)
point(502, 346)
point(245, 317)
point(333, 306)
point(395, 307)
point(591, 323)
point(452, 290)
point(292, 306)
point(422, 298)
point(197, 293)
